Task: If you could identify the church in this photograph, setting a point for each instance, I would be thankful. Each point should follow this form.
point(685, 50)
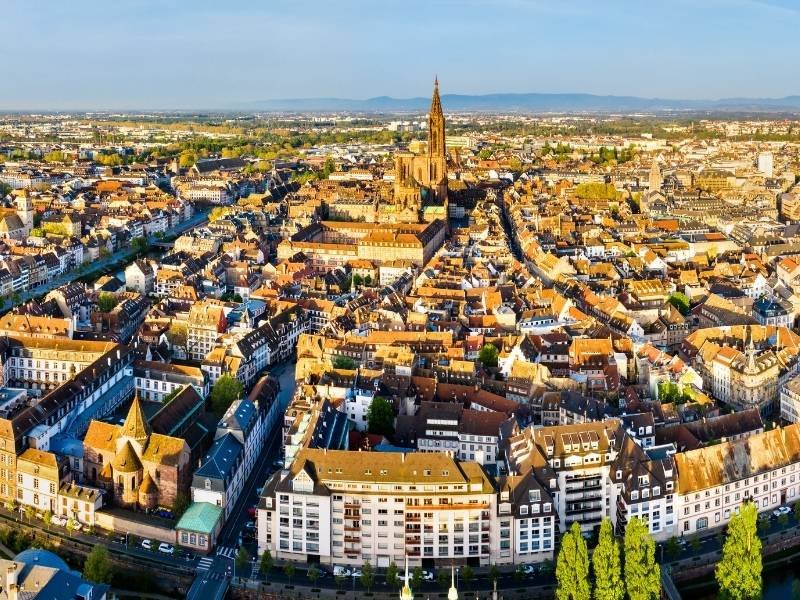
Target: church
point(420, 184)
point(140, 468)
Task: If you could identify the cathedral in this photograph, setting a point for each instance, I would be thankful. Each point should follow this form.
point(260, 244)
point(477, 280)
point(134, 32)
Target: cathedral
point(420, 184)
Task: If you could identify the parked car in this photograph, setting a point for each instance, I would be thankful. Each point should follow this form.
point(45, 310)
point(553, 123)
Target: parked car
point(59, 521)
point(341, 572)
point(251, 512)
point(781, 510)
point(355, 573)
point(77, 526)
point(427, 575)
point(278, 464)
point(250, 525)
point(147, 544)
point(165, 548)
point(529, 569)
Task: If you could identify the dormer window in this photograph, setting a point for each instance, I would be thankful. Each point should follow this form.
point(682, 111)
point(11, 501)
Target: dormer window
point(208, 484)
point(619, 473)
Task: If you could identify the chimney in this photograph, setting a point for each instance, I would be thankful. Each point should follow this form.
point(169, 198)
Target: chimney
point(12, 590)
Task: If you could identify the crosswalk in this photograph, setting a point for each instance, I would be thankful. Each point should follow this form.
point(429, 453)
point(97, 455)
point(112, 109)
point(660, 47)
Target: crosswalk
point(226, 551)
point(204, 564)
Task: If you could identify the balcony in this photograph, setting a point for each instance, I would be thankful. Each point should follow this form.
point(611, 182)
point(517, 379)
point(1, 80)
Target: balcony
point(412, 539)
point(351, 539)
point(413, 518)
point(355, 527)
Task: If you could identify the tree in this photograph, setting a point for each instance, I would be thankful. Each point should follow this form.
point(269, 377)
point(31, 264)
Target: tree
point(607, 565)
point(488, 355)
point(494, 572)
point(27, 512)
point(416, 578)
point(106, 302)
point(739, 572)
point(572, 567)
point(266, 563)
point(171, 396)
point(288, 570)
point(48, 517)
point(467, 574)
point(673, 548)
point(519, 573)
point(180, 505)
point(97, 567)
point(391, 575)
point(344, 362)
point(313, 574)
point(367, 575)
point(443, 578)
point(339, 579)
point(642, 574)
point(140, 245)
point(225, 391)
point(380, 416)
point(242, 560)
point(797, 511)
point(680, 302)
point(368, 280)
point(357, 280)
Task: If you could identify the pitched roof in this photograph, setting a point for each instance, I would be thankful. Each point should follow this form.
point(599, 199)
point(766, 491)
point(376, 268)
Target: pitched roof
point(135, 425)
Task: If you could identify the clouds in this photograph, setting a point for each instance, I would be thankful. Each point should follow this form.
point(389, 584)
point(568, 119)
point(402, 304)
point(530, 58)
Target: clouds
point(203, 54)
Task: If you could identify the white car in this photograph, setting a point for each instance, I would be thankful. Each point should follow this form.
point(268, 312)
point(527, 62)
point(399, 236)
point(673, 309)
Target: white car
point(59, 521)
point(147, 544)
point(355, 573)
point(341, 572)
point(781, 510)
point(427, 575)
point(77, 526)
point(529, 569)
point(165, 548)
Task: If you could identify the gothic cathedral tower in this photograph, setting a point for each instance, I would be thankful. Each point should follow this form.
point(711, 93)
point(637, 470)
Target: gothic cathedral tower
point(437, 152)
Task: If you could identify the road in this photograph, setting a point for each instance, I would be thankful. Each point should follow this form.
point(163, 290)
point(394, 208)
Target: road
point(222, 563)
point(101, 264)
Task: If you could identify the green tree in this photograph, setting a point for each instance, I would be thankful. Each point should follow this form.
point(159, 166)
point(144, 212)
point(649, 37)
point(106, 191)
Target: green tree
point(242, 560)
point(519, 573)
point(265, 566)
point(416, 578)
point(171, 396)
point(367, 575)
point(344, 362)
point(467, 574)
point(797, 511)
point(339, 580)
point(180, 505)
point(368, 280)
point(47, 517)
point(288, 570)
point(140, 245)
point(572, 566)
point(106, 302)
point(673, 548)
point(607, 565)
point(739, 572)
point(313, 574)
point(642, 573)
point(97, 567)
point(391, 575)
point(225, 391)
point(380, 416)
point(488, 355)
point(680, 302)
point(494, 572)
point(357, 280)
point(27, 512)
point(443, 578)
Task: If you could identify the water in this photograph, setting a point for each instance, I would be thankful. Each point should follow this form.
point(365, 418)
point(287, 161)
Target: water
point(778, 583)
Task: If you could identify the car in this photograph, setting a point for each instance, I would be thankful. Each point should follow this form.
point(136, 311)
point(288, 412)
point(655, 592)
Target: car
point(781, 510)
point(77, 526)
point(341, 572)
point(251, 512)
point(278, 464)
point(427, 575)
point(250, 525)
point(147, 544)
point(120, 540)
point(59, 521)
point(355, 573)
point(165, 548)
point(529, 569)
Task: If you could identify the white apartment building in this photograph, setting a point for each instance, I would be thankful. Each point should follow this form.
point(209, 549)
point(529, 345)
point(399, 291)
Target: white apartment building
point(340, 507)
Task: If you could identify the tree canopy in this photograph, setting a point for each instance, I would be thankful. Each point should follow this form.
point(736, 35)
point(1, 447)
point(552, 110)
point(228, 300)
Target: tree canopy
point(225, 391)
point(679, 301)
point(739, 572)
point(97, 567)
point(380, 416)
point(488, 355)
point(106, 302)
point(572, 567)
point(642, 573)
point(607, 565)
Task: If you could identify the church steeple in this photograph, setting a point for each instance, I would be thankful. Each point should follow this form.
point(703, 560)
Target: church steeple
point(135, 426)
point(436, 123)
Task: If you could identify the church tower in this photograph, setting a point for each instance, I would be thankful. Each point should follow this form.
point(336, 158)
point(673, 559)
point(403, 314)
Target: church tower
point(655, 176)
point(437, 152)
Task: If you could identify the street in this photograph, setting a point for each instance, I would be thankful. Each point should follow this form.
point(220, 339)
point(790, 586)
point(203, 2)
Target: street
point(222, 562)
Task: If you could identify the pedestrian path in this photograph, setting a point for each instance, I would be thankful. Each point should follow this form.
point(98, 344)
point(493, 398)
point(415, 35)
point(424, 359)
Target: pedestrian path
point(226, 551)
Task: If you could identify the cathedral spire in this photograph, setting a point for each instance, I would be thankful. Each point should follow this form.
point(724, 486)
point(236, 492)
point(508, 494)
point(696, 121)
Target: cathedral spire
point(135, 426)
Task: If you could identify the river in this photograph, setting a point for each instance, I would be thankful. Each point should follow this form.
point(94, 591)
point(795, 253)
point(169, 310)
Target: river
point(778, 583)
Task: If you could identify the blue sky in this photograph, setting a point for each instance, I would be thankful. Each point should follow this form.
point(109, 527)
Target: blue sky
point(202, 54)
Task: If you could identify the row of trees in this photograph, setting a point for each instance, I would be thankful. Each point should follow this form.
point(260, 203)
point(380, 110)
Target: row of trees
point(642, 576)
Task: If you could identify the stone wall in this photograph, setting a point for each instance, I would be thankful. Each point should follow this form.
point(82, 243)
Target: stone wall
point(119, 523)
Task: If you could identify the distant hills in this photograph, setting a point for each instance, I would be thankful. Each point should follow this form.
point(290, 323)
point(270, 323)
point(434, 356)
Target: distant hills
point(532, 103)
